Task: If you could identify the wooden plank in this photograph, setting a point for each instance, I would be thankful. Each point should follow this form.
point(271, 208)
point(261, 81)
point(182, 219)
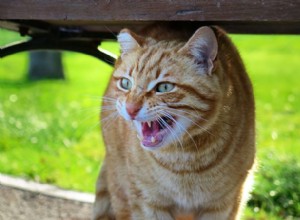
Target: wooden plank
point(108, 30)
point(139, 10)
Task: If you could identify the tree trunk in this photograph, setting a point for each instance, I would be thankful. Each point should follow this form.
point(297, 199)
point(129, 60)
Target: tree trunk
point(45, 65)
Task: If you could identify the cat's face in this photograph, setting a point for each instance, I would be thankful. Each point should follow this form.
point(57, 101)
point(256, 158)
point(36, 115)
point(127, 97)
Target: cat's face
point(165, 90)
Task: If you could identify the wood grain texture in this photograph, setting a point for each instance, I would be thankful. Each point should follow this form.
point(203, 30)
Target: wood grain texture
point(138, 10)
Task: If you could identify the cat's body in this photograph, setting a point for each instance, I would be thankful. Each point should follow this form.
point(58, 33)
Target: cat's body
point(196, 154)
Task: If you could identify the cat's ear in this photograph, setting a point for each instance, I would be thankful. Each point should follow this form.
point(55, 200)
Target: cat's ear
point(203, 47)
point(129, 41)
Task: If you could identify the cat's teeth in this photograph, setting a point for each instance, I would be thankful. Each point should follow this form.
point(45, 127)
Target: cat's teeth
point(153, 139)
point(149, 123)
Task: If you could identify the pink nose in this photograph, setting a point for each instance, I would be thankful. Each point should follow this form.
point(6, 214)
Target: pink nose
point(133, 109)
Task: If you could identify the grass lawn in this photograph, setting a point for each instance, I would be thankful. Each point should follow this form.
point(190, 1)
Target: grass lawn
point(49, 130)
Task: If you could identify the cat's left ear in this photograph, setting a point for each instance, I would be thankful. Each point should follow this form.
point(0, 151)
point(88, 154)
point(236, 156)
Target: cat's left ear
point(203, 46)
point(129, 41)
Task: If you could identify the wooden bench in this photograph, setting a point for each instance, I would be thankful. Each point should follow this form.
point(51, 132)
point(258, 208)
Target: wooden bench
point(81, 25)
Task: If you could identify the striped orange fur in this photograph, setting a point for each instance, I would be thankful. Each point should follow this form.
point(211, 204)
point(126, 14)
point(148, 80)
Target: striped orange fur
point(178, 125)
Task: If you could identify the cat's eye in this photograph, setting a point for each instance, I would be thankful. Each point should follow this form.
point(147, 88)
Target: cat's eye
point(125, 84)
point(164, 87)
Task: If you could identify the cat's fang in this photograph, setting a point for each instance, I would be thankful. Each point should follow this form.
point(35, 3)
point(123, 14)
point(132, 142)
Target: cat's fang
point(149, 124)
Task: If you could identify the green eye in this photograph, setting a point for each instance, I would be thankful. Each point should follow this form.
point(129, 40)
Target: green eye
point(164, 87)
point(125, 84)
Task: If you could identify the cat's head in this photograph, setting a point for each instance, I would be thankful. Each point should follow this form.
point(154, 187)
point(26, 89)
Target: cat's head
point(167, 88)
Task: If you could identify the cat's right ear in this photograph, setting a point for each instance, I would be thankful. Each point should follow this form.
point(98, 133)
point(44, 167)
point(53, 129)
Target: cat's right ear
point(129, 41)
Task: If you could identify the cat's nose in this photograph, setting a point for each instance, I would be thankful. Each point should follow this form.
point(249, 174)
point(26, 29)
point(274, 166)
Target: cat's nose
point(133, 109)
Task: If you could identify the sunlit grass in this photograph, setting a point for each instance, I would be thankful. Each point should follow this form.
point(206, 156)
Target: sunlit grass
point(273, 65)
point(49, 130)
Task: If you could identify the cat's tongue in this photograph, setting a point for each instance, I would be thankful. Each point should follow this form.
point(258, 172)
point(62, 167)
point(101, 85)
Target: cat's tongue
point(151, 135)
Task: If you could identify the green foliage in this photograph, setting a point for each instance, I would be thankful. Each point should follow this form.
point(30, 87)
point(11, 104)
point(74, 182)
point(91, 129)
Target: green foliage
point(277, 188)
point(49, 130)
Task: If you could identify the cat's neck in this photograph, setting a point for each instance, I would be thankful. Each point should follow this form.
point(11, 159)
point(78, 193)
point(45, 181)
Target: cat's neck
point(194, 154)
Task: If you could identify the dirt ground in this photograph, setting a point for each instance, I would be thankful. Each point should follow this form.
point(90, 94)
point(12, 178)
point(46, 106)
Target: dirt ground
point(20, 204)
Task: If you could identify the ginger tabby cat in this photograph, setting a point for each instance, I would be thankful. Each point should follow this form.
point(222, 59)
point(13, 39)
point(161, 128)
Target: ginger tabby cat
point(180, 141)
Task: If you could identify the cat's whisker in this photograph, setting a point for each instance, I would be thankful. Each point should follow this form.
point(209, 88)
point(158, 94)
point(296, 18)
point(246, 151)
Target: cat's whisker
point(192, 121)
point(88, 114)
point(107, 110)
point(88, 110)
point(113, 33)
point(174, 111)
point(181, 127)
point(175, 135)
point(183, 104)
point(86, 120)
point(90, 128)
point(109, 116)
point(108, 107)
point(108, 120)
point(96, 112)
point(106, 98)
point(186, 112)
point(175, 138)
point(108, 104)
point(109, 123)
point(189, 113)
point(176, 141)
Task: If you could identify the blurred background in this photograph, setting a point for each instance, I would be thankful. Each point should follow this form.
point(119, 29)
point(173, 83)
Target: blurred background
point(50, 124)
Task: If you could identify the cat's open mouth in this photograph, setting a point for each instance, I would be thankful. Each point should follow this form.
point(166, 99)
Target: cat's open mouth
point(155, 132)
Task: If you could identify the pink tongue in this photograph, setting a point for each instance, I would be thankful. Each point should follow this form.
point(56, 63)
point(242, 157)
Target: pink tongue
point(151, 135)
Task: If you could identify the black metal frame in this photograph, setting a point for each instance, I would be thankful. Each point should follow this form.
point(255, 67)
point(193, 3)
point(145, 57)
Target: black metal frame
point(44, 36)
point(57, 36)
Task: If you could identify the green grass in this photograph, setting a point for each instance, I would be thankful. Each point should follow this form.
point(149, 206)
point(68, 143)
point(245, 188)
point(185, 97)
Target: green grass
point(273, 65)
point(49, 130)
